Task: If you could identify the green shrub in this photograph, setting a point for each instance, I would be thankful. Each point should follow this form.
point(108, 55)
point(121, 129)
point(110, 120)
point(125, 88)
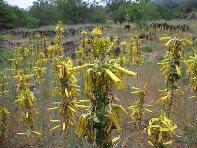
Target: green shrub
point(147, 49)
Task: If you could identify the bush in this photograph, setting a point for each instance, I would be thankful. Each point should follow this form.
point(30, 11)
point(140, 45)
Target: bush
point(31, 22)
point(147, 49)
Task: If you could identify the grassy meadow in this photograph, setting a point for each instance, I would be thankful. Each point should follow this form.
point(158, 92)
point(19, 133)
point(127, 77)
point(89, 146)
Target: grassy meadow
point(153, 51)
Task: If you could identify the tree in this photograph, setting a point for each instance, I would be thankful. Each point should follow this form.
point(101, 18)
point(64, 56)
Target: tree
point(14, 16)
point(139, 10)
point(72, 11)
point(79, 11)
point(45, 11)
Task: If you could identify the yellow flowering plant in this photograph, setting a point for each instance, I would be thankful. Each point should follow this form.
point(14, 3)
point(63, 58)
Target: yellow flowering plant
point(102, 74)
point(191, 64)
point(139, 107)
point(172, 70)
point(161, 130)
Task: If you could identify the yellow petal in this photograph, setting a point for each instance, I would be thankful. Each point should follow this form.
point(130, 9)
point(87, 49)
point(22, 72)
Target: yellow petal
point(168, 43)
point(125, 71)
point(148, 110)
point(55, 127)
point(112, 76)
point(37, 133)
point(115, 139)
point(149, 142)
point(72, 109)
point(55, 120)
point(164, 38)
point(166, 143)
point(64, 126)
point(53, 108)
point(21, 133)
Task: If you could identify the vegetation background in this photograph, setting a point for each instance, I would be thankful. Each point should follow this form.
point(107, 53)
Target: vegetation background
point(48, 12)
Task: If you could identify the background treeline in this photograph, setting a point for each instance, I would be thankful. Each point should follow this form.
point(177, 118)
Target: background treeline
point(48, 12)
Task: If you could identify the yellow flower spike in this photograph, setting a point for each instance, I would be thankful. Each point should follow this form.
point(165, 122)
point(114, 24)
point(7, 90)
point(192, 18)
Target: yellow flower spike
point(138, 108)
point(96, 31)
point(124, 43)
point(84, 32)
point(112, 46)
point(59, 28)
point(69, 63)
point(66, 92)
point(161, 126)
point(101, 76)
point(178, 70)
point(188, 41)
